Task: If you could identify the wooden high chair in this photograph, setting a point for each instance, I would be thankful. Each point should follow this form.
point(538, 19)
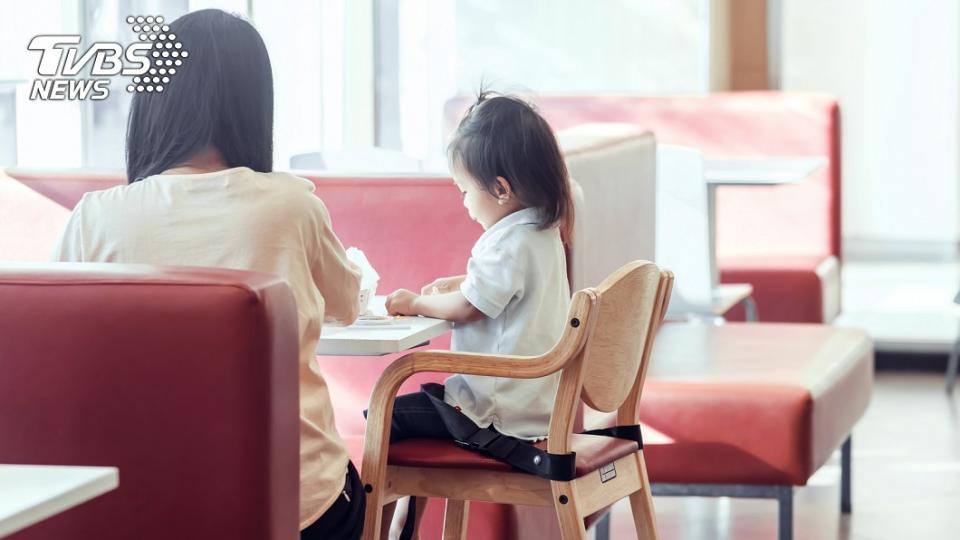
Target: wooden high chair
point(602, 357)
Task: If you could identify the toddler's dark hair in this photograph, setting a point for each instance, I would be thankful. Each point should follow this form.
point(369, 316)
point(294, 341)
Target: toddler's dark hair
point(503, 135)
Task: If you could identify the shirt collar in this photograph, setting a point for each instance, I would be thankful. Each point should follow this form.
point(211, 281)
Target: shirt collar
point(520, 217)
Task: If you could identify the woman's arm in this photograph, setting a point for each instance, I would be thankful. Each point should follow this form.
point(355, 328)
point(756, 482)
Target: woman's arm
point(452, 306)
point(337, 278)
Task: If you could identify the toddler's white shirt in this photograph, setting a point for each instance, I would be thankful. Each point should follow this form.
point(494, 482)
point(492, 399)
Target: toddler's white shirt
point(516, 276)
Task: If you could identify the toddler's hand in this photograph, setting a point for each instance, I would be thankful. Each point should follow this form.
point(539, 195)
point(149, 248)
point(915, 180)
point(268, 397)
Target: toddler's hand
point(400, 302)
point(442, 285)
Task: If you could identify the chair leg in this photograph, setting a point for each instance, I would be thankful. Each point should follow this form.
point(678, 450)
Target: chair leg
point(455, 520)
point(750, 309)
point(386, 519)
point(641, 505)
point(568, 511)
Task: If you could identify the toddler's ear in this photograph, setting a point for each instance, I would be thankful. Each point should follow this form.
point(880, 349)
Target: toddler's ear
point(504, 189)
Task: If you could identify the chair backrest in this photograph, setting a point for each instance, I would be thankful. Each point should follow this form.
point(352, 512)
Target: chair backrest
point(626, 312)
point(613, 164)
point(413, 229)
point(183, 379)
point(683, 228)
point(308, 161)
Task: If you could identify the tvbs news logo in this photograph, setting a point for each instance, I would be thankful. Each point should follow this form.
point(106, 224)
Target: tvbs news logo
point(151, 62)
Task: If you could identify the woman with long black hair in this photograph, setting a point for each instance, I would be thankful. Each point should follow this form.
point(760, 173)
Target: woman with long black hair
point(201, 192)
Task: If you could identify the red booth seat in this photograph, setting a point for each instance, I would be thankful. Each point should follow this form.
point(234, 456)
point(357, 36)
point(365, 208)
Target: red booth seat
point(752, 403)
point(183, 379)
point(785, 240)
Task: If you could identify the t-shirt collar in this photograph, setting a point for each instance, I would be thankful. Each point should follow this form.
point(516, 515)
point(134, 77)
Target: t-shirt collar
point(520, 217)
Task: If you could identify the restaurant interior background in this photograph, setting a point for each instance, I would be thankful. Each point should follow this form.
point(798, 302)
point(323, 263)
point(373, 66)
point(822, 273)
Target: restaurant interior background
point(365, 86)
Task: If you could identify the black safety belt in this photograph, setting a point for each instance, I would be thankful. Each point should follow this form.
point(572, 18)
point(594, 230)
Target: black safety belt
point(518, 453)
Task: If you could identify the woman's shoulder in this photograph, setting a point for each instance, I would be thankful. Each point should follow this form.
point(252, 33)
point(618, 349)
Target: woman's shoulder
point(111, 195)
point(282, 181)
point(294, 193)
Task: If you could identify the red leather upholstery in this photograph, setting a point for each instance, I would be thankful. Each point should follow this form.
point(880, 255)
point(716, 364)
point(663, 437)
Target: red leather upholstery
point(592, 452)
point(791, 287)
point(751, 403)
point(413, 229)
point(790, 229)
point(184, 379)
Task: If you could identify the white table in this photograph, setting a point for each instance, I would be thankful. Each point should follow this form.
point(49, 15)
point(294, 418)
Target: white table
point(364, 340)
point(758, 171)
point(31, 493)
point(728, 295)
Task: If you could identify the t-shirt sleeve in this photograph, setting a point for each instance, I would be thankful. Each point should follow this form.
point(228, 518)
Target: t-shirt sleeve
point(69, 247)
point(494, 277)
point(335, 277)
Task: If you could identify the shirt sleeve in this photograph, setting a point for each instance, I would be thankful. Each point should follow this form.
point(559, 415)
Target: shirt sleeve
point(494, 278)
point(337, 279)
point(69, 247)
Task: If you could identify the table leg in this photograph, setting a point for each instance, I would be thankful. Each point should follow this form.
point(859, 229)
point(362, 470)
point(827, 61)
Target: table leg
point(750, 309)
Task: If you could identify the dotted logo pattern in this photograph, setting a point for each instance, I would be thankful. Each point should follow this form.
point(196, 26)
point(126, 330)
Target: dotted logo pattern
point(166, 55)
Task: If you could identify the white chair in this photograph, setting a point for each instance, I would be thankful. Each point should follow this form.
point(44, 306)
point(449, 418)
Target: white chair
point(683, 239)
point(613, 165)
point(309, 161)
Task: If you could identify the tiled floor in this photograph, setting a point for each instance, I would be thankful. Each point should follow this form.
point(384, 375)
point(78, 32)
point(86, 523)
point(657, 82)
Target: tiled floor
point(906, 479)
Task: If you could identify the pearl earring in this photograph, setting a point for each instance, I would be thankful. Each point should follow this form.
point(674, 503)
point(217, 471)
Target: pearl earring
point(501, 201)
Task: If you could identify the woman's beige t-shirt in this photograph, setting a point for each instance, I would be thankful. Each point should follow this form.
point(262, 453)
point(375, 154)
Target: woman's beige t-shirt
point(242, 219)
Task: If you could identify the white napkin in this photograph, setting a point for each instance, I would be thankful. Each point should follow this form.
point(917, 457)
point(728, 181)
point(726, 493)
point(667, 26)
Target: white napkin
point(368, 280)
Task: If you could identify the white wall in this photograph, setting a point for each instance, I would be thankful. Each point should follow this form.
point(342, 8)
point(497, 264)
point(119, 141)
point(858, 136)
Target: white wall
point(894, 66)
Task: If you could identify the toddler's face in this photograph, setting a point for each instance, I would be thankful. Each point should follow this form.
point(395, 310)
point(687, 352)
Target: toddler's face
point(480, 204)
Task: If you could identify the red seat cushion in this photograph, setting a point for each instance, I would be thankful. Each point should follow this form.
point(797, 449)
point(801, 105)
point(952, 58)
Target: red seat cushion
point(770, 403)
point(593, 452)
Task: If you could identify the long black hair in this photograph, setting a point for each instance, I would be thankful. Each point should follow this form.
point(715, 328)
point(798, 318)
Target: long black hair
point(220, 97)
point(504, 136)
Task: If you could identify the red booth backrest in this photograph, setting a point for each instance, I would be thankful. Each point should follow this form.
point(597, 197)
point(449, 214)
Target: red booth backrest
point(799, 220)
point(184, 379)
point(413, 229)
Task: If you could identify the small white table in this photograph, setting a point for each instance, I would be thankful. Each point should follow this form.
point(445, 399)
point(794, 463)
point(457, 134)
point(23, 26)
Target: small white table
point(362, 339)
point(728, 295)
point(31, 493)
